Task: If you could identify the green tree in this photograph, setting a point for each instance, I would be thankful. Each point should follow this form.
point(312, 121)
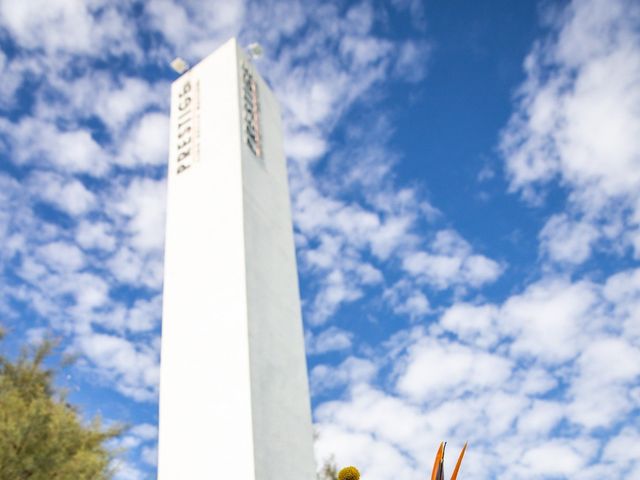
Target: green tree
point(42, 437)
point(329, 470)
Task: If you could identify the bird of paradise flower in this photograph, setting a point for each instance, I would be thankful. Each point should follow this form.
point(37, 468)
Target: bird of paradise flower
point(438, 466)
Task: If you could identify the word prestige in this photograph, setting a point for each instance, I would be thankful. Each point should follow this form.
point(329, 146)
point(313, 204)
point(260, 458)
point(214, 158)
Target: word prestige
point(185, 127)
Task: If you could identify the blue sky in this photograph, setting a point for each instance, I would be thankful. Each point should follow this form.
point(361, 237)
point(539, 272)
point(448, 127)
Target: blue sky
point(465, 182)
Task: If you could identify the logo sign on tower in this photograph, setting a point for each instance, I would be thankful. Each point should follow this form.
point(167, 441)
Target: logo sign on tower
point(251, 112)
point(187, 127)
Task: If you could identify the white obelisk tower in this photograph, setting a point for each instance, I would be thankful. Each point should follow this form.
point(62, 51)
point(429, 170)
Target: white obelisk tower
point(234, 399)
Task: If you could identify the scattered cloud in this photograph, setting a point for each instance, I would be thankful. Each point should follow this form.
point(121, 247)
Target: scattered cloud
point(353, 370)
point(330, 340)
point(133, 368)
point(194, 27)
point(35, 142)
point(58, 26)
point(567, 240)
point(577, 123)
point(407, 299)
point(450, 262)
point(478, 374)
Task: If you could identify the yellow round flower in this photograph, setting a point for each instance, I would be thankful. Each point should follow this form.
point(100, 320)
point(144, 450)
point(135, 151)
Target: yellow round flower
point(349, 473)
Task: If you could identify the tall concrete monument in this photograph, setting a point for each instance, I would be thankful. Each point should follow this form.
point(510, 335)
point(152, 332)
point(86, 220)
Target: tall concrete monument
point(234, 399)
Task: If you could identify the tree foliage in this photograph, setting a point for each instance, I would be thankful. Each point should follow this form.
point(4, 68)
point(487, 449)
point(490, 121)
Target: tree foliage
point(329, 470)
point(42, 437)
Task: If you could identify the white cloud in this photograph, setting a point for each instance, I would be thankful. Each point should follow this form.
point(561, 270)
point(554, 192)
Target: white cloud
point(62, 26)
point(566, 240)
point(450, 262)
point(89, 292)
point(540, 418)
point(352, 370)
point(336, 235)
point(623, 291)
point(624, 448)
point(116, 103)
point(145, 431)
point(134, 368)
point(68, 194)
point(554, 458)
point(600, 392)
point(37, 142)
point(539, 373)
point(436, 370)
point(134, 268)
point(376, 459)
point(391, 234)
point(577, 121)
point(62, 256)
point(476, 325)
point(305, 145)
point(149, 455)
point(364, 50)
point(195, 28)
point(405, 299)
point(411, 63)
point(329, 340)
point(370, 410)
point(144, 315)
point(142, 204)
point(537, 381)
point(11, 74)
point(440, 270)
point(337, 289)
point(97, 235)
point(547, 321)
point(148, 142)
point(63, 296)
point(31, 22)
point(417, 304)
